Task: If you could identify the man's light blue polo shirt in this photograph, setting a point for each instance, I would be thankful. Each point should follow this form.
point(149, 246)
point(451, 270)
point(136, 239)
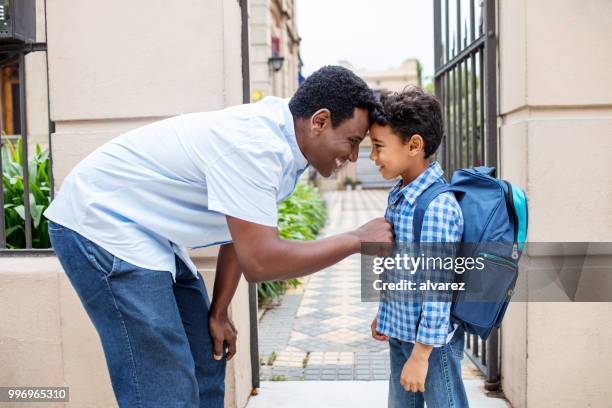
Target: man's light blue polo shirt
point(158, 190)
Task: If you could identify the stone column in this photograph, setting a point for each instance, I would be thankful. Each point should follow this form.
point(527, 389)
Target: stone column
point(555, 118)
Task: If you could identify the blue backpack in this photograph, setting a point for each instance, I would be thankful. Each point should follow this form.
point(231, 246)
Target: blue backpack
point(494, 211)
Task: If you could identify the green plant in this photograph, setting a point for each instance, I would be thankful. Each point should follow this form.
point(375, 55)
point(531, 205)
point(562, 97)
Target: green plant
point(267, 291)
point(272, 358)
point(351, 182)
point(301, 216)
point(419, 73)
point(40, 197)
point(305, 360)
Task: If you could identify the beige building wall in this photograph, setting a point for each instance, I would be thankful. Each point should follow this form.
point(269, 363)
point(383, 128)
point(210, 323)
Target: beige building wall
point(37, 114)
point(37, 97)
point(267, 19)
point(112, 69)
point(555, 119)
point(47, 339)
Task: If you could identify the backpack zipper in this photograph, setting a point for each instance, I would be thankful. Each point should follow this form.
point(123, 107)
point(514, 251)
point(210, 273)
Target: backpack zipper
point(512, 212)
point(498, 260)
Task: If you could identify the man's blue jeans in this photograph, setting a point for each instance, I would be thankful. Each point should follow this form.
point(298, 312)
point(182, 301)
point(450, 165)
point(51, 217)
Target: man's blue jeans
point(443, 385)
point(154, 332)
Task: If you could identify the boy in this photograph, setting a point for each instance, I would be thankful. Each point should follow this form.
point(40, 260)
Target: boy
point(425, 349)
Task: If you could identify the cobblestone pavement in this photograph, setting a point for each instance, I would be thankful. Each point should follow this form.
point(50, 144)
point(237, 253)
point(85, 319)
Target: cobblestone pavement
point(321, 331)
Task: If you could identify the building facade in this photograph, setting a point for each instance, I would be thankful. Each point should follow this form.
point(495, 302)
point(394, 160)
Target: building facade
point(555, 141)
point(275, 48)
point(392, 79)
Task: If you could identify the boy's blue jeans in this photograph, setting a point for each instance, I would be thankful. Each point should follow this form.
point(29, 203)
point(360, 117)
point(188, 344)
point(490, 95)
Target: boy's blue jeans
point(443, 385)
point(154, 332)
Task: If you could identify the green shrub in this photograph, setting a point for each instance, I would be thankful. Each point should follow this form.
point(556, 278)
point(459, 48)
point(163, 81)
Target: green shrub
point(40, 197)
point(350, 182)
point(301, 216)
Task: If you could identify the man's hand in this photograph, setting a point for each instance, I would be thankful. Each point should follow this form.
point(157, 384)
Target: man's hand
point(221, 328)
point(376, 335)
point(414, 372)
point(378, 233)
point(377, 230)
point(222, 331)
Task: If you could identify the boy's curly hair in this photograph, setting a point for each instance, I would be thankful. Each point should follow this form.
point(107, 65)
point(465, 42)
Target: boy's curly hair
point(413, 111)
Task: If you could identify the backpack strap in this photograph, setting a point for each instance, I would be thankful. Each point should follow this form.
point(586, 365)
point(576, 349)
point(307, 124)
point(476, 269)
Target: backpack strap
point(422, 203)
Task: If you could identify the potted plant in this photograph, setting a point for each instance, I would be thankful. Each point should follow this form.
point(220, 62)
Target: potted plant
point(348, 183)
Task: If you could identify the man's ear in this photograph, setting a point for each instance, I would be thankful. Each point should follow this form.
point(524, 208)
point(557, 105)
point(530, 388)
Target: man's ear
point(321, 119)
point(416, 144)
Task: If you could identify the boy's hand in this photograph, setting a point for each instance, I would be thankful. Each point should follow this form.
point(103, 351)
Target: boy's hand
point(414, 372)
point(223, 332)
point(376, 335)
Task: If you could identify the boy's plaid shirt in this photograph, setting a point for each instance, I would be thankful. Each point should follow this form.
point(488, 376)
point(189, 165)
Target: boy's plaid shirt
point(442, 222)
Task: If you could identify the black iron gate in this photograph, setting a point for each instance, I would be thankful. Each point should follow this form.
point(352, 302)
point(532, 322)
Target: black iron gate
point(466, 83)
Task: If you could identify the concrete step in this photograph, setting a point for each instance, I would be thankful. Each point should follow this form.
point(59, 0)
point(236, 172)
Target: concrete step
point(342, 394)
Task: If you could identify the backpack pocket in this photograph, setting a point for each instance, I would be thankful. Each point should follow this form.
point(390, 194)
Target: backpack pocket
point(481, 305)
point(519, 200)
point(516, 202)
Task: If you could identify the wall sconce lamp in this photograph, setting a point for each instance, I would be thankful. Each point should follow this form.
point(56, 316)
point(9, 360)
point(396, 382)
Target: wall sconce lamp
point(276, 62)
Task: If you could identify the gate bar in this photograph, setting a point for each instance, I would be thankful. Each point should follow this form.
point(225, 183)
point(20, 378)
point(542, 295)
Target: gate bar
point(25, 165)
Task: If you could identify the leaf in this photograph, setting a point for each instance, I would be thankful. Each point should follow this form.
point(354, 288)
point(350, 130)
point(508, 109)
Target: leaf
point(17, 152)
point(39, 211)
point(12, 229)
point(32, 167)
point(21, 211)
point(14, 156)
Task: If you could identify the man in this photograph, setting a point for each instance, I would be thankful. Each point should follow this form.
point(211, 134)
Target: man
point(126, 214)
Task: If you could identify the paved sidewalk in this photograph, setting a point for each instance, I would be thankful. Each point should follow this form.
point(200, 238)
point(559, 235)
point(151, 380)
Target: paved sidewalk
point(322, 330)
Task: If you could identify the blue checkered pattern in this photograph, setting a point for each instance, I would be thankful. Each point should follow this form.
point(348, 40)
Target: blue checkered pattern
point(442, 222)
